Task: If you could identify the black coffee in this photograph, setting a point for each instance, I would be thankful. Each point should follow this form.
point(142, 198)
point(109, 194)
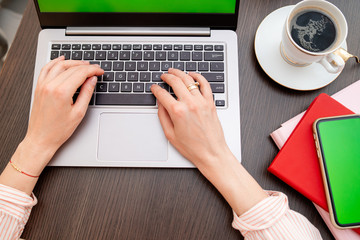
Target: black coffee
point(313, 31)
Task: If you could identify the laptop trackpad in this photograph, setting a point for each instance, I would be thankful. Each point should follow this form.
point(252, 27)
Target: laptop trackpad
point(131, 137)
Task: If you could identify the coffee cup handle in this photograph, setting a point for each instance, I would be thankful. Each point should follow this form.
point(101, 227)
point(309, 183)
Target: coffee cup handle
point(333, 63)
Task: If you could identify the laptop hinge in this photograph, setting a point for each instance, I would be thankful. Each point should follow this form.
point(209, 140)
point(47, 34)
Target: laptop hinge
point(136, 31)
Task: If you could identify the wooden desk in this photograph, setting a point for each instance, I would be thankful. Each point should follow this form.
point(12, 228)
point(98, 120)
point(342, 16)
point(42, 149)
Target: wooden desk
point(128, 203)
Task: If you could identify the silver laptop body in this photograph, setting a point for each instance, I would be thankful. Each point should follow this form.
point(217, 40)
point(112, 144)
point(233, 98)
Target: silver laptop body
point(127, 135)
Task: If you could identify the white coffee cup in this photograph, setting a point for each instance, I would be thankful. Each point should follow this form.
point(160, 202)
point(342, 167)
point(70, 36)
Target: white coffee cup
point(333, 59)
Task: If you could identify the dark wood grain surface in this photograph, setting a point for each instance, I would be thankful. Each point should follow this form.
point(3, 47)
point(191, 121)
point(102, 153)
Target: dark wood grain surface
point(128, 203)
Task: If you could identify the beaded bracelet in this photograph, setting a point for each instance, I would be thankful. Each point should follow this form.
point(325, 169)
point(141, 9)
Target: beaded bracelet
point(18, 169)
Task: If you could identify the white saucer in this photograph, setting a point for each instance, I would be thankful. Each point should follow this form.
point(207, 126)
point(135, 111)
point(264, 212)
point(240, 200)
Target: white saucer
point(267, 50)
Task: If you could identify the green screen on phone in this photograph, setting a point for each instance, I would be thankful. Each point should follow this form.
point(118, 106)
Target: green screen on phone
point(340, 147)
point(140, 6)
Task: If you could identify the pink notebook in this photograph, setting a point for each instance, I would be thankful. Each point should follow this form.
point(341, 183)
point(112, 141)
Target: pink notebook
point(349, 97)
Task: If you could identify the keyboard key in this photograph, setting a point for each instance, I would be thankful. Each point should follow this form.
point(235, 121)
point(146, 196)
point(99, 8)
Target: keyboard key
point(95, 62)
point(145, 77)
point(76, 47)
point(55, 46)
point(148, 87)
point(130, 66)
point(156, 76)
point(165, 66)
point(164, 86)
point(125, 55)
point(188, 47)
point(203, 66)
point(133, 76)
point(219, 48)
point(101, 87)
point(214, 56)
point(167, 47)
point(112, 55)
point(160, 56)
point(154, 66)
point(138, 87)
point(126, 99)
point(118, 66)
point(100, 55)
point(114, 87)
point(217, 87)
point(142, 66)
point(147, 47)
point(116, 47)
point(197, 56)
point(198, 47)
point(208, 47)
point(86, 47)
point(184, 56)
point(108, 76)
point(67, 54)
point(178, 47)
point(214, 77)
point(54, 54)
point(106, 66)
point(65, 46)
point(76, 55)
point(220, 103)
point(136, 47)
point(106, 47)
point(126, 47)
point(173, 56)
point(191, 66)
point(120, 76)
point(179, 65)
point(126, 87)
point(157, 47)
point(136, 55)
point(89, 55)
point(96, 47)
point(217, 66)
point(148, 55)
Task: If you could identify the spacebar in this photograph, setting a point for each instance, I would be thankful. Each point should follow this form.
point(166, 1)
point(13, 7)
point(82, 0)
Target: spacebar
point(125, 99)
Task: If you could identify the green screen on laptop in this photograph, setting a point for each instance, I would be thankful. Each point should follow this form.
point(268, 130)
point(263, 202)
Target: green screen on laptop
point(139, 6)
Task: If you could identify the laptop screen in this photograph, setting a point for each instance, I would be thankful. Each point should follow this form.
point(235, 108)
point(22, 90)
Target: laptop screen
point(217, 14)
point(139, 6)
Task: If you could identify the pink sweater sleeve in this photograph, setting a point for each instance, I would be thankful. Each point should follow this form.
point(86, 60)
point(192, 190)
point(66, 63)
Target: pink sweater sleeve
point(273, 219)
point(15, 208)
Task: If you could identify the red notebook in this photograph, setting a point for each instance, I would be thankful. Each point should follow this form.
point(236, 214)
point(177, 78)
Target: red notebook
point(297, 163)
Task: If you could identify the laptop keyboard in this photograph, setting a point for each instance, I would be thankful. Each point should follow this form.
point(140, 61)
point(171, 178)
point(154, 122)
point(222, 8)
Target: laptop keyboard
point(131, 69)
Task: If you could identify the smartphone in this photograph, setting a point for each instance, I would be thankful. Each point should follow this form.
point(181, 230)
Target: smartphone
point(337, 141)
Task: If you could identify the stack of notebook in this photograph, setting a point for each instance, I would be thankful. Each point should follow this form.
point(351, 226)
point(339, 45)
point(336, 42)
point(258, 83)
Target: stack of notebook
point(297, 163)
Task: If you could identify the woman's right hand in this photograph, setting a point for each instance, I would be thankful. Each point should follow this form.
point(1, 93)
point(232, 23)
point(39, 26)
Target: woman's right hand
point(191, 123)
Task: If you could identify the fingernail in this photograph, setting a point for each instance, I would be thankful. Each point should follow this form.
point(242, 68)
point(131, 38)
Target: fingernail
point(93, 80)
point(86, 62)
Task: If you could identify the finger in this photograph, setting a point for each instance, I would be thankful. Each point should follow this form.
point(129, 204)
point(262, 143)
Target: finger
point(74, 77)
point(166, 123)
point(62, 66)
point(177, 85)
point(163, 96)
point(204, 85)
point(45, 70)
point(86, 92)
point(187, 80)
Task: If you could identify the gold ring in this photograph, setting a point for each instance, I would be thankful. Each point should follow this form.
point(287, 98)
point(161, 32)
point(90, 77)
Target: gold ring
point(193, 86)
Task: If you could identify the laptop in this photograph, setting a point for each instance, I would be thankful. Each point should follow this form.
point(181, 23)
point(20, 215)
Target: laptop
point(135, 42)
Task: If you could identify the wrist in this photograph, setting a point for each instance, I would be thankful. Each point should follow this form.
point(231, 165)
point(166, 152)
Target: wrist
point(32, 157)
